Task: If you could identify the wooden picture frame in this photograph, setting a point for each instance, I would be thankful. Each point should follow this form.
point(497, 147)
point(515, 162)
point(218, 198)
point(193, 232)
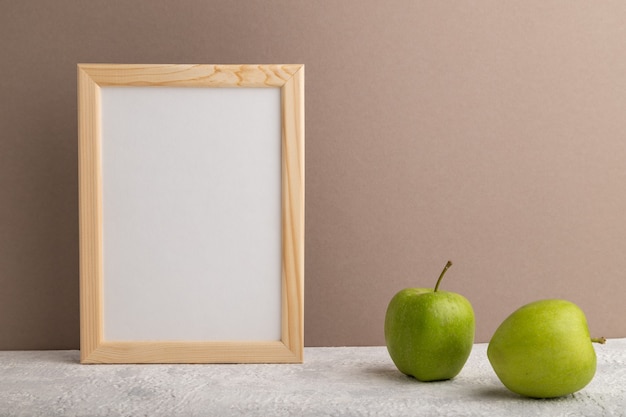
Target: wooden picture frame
point(95, 344)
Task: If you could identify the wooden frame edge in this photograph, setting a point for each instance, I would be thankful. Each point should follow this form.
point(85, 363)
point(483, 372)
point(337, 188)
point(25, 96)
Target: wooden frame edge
point(191, 352)
point(203, 75)
point(293, 212)
point(90, 214)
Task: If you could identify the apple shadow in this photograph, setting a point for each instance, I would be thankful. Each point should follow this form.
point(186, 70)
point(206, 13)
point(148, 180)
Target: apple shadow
point(391, 373)
point(502, 393)
point(497, 393)
point(491, 393)
point(388, 373)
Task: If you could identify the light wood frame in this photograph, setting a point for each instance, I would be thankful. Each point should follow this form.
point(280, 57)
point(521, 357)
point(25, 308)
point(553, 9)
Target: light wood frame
point(290, 80)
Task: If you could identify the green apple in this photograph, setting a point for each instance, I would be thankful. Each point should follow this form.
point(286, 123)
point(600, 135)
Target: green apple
point(429, 333)
point(544, 350)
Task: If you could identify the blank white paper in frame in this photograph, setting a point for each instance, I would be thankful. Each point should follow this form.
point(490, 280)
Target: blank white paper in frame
point(169, 156)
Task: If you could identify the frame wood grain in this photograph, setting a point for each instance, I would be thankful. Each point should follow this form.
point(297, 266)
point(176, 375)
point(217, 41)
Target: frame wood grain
point(290, 80)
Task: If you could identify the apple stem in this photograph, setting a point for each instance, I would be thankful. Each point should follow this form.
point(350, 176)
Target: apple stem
point(601, 340)
point(445, 268)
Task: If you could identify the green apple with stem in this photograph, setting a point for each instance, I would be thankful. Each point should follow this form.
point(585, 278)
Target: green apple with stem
point(544, 350)
point(429, 333)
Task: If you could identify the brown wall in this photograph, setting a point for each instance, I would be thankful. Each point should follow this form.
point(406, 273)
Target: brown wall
point(491, 133)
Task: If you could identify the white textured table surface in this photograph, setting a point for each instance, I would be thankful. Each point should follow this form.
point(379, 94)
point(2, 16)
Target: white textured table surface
point(347, 381)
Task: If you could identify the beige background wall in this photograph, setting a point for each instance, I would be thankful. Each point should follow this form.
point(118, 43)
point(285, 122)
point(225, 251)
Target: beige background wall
point(490, 133)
